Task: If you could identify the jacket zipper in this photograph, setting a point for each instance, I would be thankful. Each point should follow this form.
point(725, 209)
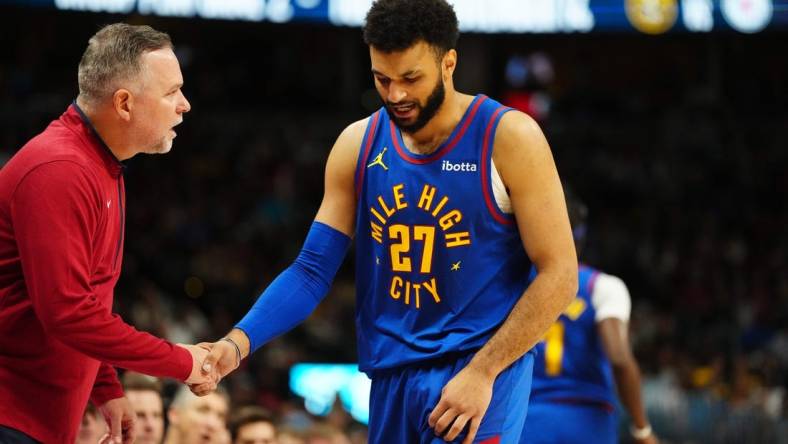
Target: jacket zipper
point(122, 223)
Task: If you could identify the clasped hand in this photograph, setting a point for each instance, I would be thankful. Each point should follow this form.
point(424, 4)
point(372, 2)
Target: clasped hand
point(211, 361)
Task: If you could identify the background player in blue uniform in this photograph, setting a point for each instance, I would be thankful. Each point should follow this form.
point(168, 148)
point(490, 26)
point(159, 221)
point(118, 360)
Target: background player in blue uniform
point(573, 396)
point(445, 314)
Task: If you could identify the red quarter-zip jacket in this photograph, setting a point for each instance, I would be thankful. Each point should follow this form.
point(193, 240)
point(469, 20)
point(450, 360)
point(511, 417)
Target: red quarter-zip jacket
point(61, 244)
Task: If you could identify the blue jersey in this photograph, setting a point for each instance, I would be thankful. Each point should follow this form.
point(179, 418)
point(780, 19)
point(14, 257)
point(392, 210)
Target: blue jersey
point(571, 364)
point(438, 265)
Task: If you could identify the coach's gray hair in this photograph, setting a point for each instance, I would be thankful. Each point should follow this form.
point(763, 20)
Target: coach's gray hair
point(113, 55)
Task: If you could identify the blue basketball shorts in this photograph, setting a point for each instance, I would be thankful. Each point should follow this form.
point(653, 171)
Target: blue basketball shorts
point(402, 399)
point(568, 423)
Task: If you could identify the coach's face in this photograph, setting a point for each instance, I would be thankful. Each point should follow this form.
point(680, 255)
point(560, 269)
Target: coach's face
point(159, 104)
point(412, 83)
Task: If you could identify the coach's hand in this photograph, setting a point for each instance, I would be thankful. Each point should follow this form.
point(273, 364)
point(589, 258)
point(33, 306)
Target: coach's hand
point(464, 400)
point(218, 362)
point(120, 418)
point(198, 353)
point(223, 357)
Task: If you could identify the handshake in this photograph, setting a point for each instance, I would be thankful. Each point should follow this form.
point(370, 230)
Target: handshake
point(212, 361)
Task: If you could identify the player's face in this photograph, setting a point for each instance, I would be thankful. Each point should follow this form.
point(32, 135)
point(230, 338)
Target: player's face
point(203, 420)
point(150, 420)
point(160, 104)
point(411, 84)
point(256, 433)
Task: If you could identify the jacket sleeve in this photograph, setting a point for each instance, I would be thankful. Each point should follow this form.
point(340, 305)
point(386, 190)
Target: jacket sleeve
point(55, 212)
point(107, 386)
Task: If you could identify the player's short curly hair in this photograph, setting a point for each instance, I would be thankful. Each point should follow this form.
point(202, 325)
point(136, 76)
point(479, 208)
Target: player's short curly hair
point(395, 25)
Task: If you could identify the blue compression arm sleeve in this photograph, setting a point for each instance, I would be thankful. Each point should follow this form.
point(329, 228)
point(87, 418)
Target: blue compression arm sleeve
point(295, 293)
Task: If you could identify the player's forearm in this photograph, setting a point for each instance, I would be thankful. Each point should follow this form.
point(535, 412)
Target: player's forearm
point(541, 304)
point(627, 375)
point(297, 291)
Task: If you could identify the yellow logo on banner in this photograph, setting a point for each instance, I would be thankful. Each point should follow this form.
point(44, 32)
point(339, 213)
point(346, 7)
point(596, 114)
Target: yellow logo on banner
point(652, 16)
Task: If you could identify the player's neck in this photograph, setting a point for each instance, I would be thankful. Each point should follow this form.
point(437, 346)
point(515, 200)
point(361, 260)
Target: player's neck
point(440, 127)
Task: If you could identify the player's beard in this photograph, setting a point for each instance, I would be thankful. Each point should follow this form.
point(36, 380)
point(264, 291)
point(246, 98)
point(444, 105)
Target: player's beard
point(426, 112)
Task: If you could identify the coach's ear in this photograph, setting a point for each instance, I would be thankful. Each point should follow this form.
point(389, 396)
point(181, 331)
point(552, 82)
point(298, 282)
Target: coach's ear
point(122, 102)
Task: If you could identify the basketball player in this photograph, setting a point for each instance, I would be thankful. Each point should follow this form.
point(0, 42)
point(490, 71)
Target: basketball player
point(573, 395)
point(445, 316)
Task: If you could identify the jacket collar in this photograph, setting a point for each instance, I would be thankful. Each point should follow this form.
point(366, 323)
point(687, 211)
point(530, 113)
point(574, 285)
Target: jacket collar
point(76, 119)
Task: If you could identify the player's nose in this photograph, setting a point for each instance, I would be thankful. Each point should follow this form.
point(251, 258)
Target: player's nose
point(396, 94)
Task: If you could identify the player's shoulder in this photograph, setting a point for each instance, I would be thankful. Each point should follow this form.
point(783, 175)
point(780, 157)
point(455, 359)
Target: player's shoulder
point(351, 137)
point(347, 147)
point(610, 297)
point(518, 137)
point(607, 281)
point(518, 145)
point(359, 127)
point(517, 124)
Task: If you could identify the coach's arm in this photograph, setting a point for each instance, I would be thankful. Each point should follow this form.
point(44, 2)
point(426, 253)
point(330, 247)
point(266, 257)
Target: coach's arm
point(525, 163)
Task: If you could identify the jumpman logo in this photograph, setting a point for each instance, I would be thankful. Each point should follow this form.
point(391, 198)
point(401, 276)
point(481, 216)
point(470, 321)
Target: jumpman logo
point(379, 160)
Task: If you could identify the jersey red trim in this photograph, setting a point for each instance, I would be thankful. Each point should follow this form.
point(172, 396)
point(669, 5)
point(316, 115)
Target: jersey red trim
point(447, 146)
point(366, 143)
point(487, 143)
point(591, 283)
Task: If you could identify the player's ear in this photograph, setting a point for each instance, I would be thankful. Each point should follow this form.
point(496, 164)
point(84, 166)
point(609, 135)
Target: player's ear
point(449, 63)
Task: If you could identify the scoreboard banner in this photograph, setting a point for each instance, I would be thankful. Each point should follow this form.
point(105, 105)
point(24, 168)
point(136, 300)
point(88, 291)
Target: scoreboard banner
point(481, 16)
